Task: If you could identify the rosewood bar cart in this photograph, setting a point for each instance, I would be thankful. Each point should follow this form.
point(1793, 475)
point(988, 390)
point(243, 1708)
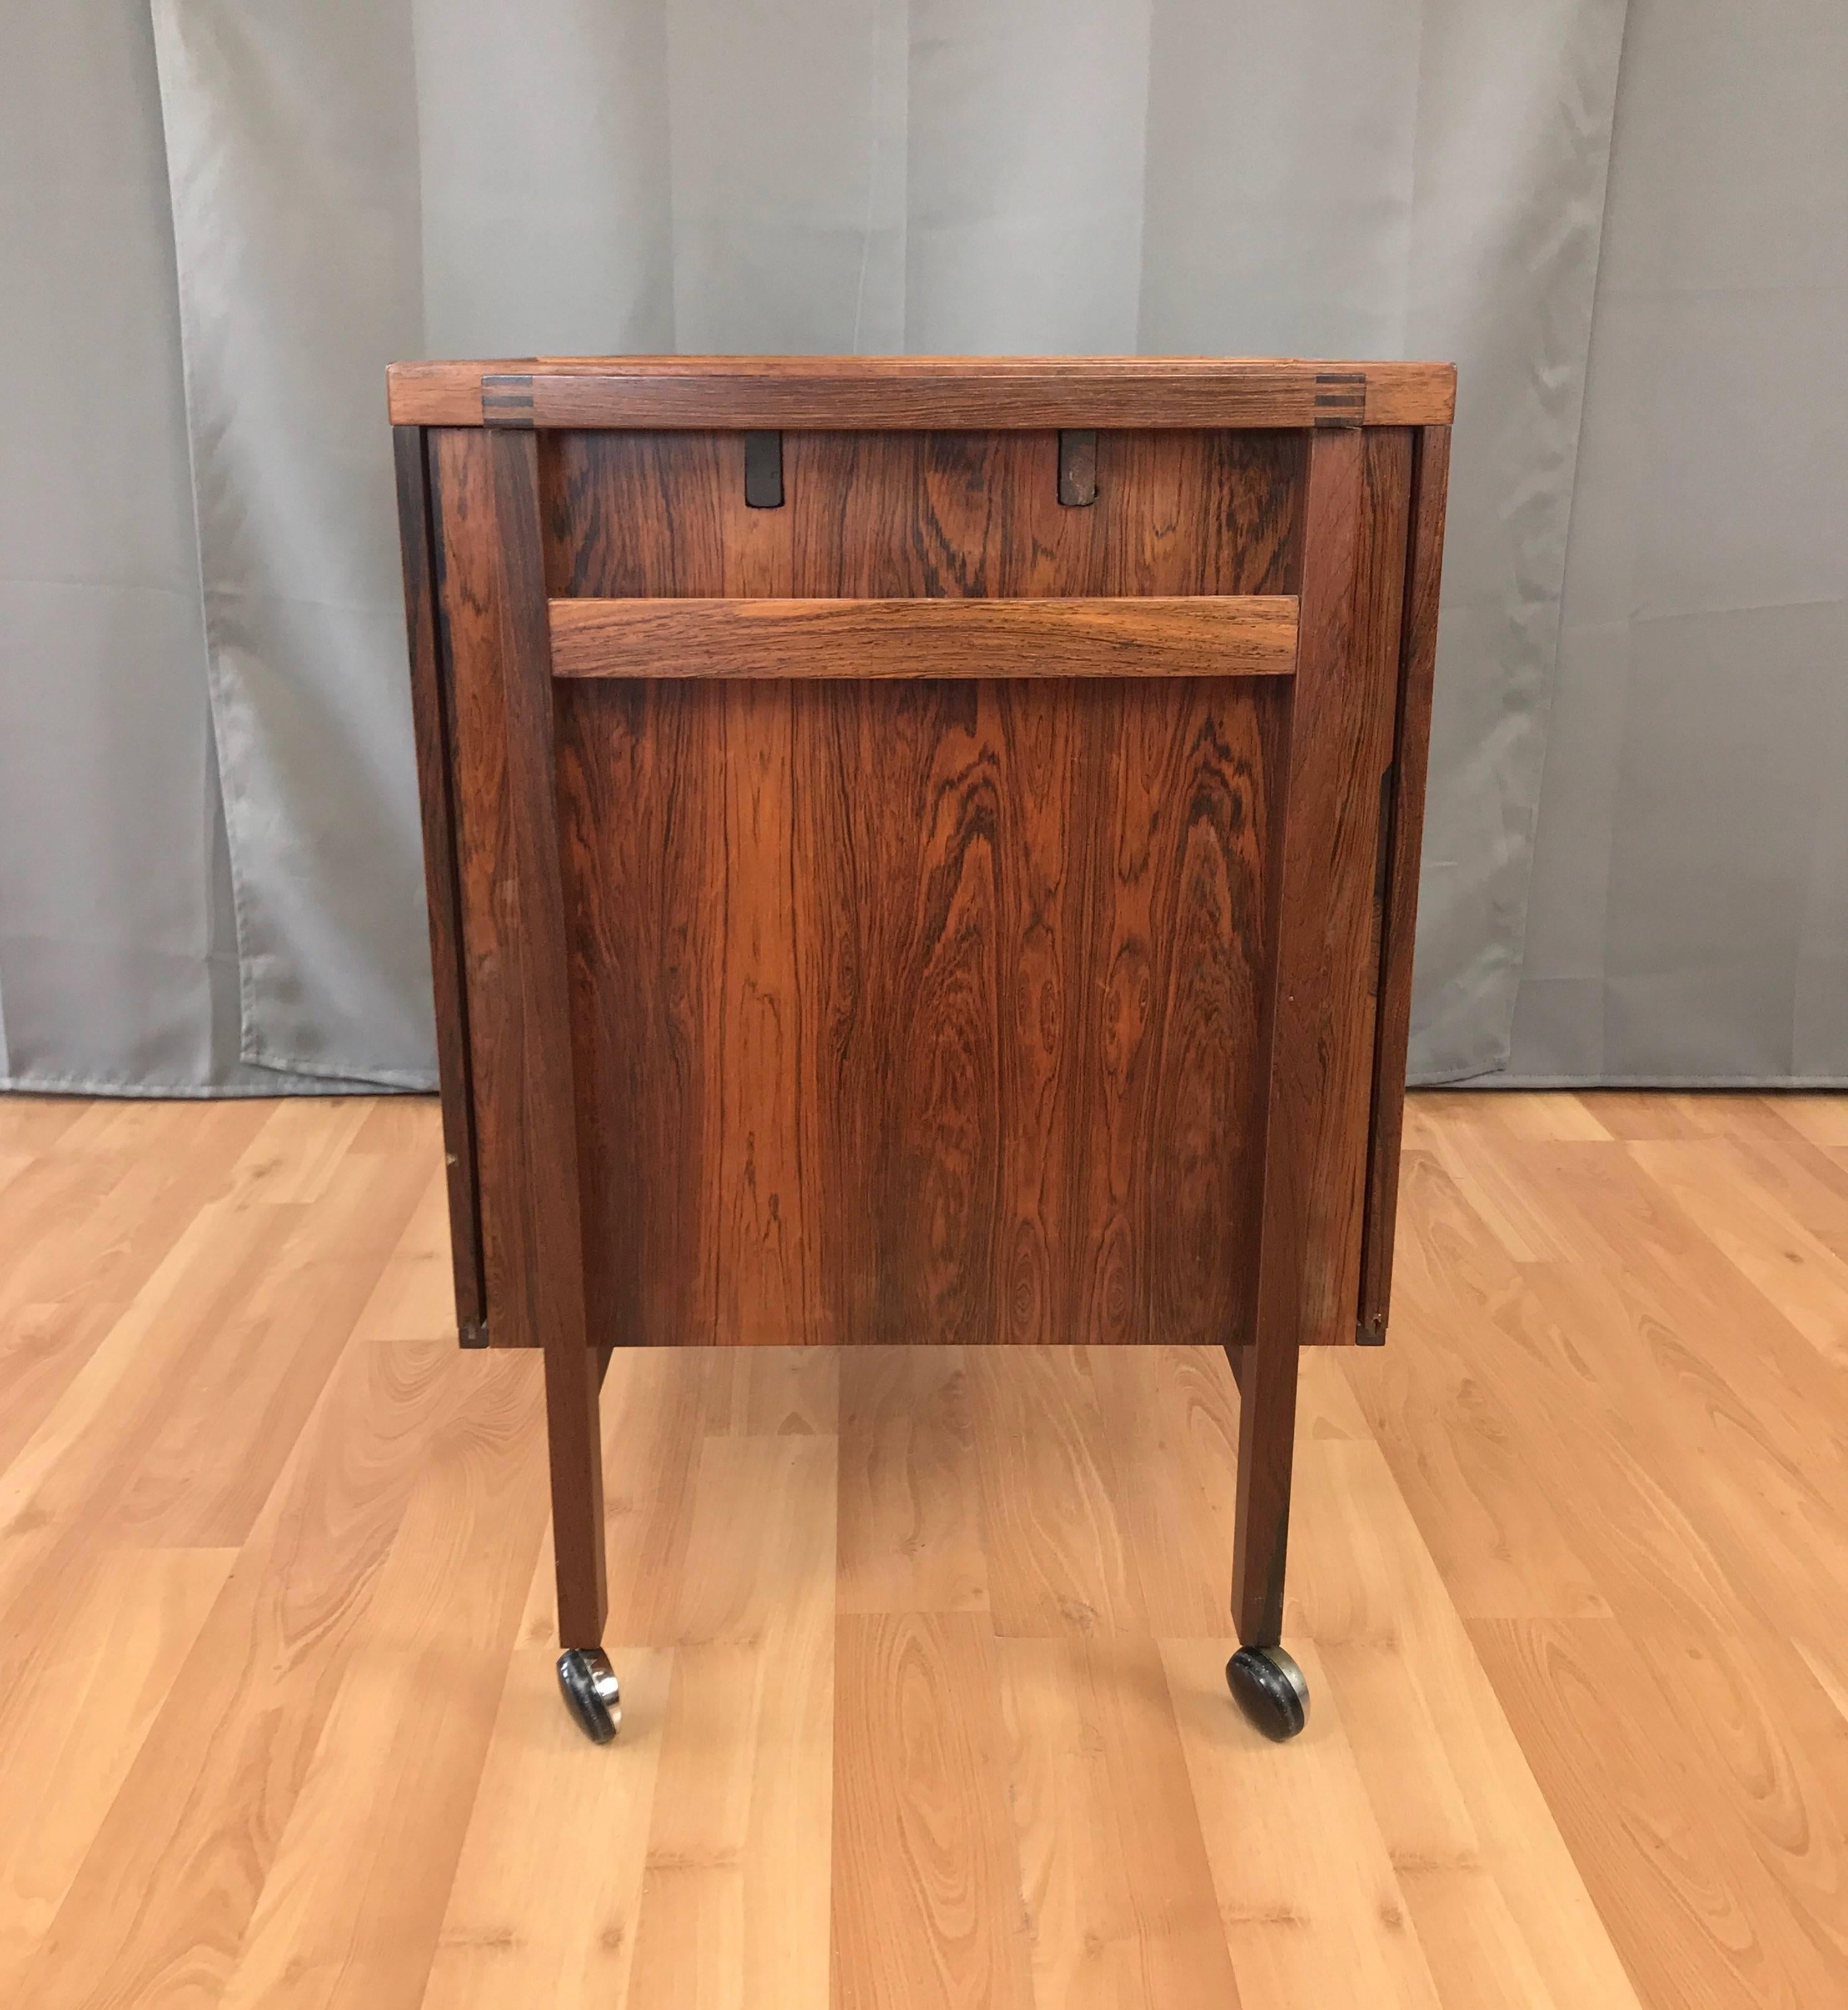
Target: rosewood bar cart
point(922, 849)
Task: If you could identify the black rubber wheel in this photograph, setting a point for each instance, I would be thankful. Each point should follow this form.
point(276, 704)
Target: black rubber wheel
point(591, 1692)
point(1268, 1687)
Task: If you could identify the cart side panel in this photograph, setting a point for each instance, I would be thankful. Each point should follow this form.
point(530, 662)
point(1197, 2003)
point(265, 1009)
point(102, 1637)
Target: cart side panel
point(431, 707)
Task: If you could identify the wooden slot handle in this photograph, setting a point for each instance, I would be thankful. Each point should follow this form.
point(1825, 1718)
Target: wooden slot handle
point(1145, 636)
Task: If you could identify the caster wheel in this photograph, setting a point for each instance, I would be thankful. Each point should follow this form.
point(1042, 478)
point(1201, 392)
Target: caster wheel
point(591, 1693)
point(1268, 1687)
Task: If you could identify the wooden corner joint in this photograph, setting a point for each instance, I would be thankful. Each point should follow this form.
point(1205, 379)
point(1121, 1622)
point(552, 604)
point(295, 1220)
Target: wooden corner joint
point(507, 401)
point(1340, 397)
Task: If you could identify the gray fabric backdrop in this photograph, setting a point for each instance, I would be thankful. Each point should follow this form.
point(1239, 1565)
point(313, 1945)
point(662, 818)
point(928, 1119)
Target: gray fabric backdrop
point(1689, 916)
point(226, 215)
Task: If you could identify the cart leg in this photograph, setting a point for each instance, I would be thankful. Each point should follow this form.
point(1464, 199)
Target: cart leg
point(1265, 1682)
point(574, 1377)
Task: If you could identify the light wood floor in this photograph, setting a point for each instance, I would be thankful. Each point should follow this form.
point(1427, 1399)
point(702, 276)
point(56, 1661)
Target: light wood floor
point(921, 1653)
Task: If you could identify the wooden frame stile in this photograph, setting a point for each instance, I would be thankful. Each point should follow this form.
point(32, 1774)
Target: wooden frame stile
point(487, 534)
point(555, 1276)
point(1321, 1027)
point(431, 724)
point(1424, 561)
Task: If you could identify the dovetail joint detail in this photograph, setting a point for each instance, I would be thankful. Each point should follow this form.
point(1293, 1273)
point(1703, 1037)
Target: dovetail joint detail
point(507, 401)
point(1340, 397)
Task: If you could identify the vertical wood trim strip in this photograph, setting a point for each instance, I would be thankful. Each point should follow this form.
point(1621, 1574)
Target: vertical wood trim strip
point(1322, 1019)
point(430, 714)
point(556, 1277)
point(493, 595)
point(1424, 560)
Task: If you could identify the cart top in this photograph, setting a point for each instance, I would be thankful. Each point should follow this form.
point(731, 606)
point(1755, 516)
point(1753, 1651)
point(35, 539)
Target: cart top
point(879, 393)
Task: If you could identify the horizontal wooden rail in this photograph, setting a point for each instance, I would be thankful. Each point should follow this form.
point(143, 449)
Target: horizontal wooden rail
point(1147, 636)
point(850, 393)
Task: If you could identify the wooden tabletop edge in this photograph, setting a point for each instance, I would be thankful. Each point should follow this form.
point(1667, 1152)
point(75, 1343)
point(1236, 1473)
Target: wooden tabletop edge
point(903, 390)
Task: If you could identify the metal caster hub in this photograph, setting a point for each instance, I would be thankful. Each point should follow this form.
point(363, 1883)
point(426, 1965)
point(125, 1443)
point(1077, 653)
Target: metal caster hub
point(591, 1693)
point(1268, 1687)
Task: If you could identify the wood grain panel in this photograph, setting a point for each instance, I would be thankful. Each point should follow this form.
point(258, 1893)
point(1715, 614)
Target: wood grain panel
point(469, 569)
point(863, 973)
point(429, 713)
point(896, 391)
point(925, 1011)
point(1411, 748)
point(1340, 747)
point(902, 516)
point(1147, 635)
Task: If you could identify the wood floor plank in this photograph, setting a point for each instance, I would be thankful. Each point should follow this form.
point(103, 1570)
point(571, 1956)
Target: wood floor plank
point(1171, 1427)
point(1058, 1563)
point(910, 1536)
point(735, 1895)
point(1806, 1181)
point(1448, 1781)
point(761, 1550)
point(1753, 1720)
point(157, 1913)
point(1805, 1278)
point(927, 1904)
point(349, 1912)
point(84, 1230)
point(303, 1144)
point(653, 1433)
point(1457, 1420)
point(1633, 1115)
point(547, 1894)
point(1822, 1119)
point(760, 1391)
point(65, 1480)
point(73, 1718)
point(415, 1296)
point(1827, 1661)
point(1120, 1894)
point(209, 1456)
point(1312, 1905)
point(35, 1124)
point(1700, 1507)
point(901, 1632)
point(1699, 1920)
point(1488, 1177)
point(1470, 1941)
point(1743, 1419)
point(736, 1889)
point(1327, 1406)
point(1525, 1113)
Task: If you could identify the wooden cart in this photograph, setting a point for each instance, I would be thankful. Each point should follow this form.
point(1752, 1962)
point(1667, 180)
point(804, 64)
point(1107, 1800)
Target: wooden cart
point(922, 849)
